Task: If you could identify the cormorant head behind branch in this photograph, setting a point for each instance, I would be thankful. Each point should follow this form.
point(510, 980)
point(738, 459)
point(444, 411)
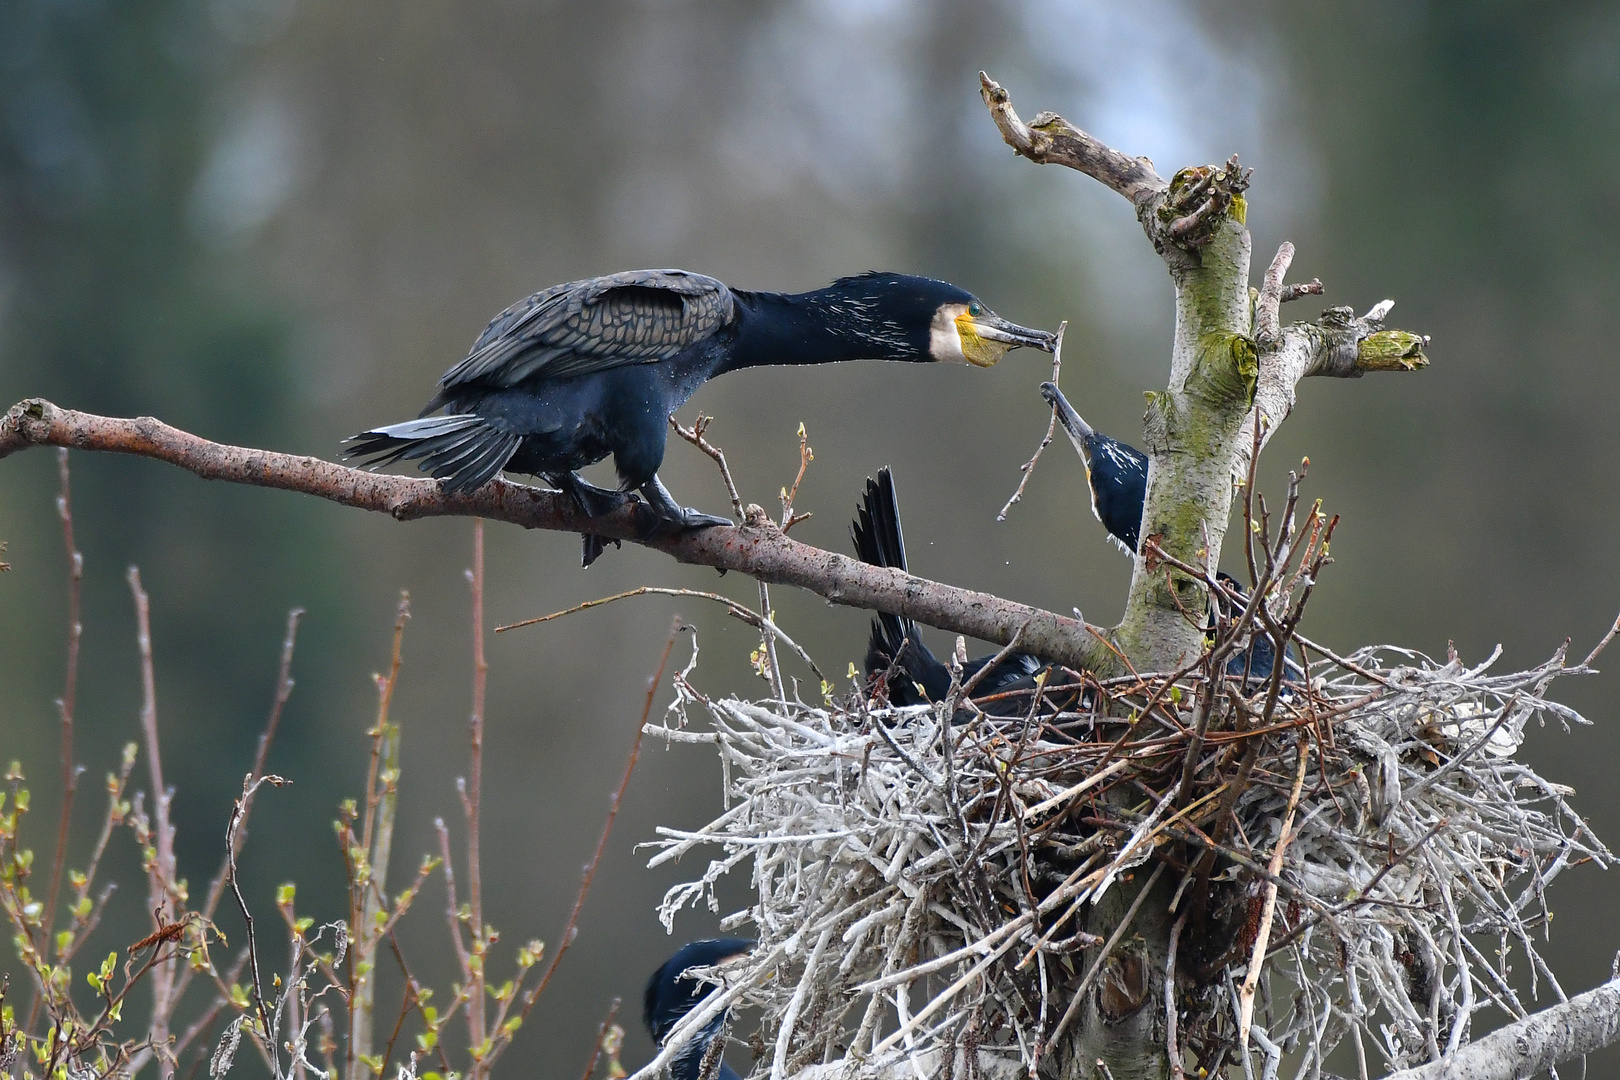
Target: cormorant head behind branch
point(671, 994)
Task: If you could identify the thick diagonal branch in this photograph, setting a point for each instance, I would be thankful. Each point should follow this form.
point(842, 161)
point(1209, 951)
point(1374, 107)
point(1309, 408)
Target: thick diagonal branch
point(756, 548)
point(1052, 140)
point(1584, 1023)
point(1337, 346)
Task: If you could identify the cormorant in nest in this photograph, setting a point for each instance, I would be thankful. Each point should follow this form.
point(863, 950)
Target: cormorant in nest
point(671, 994)
point(920, 676)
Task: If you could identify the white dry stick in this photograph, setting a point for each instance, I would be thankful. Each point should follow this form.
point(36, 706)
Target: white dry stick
point(1251, 978)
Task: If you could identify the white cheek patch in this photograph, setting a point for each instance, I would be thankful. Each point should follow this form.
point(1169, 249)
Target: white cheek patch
point(945, 344)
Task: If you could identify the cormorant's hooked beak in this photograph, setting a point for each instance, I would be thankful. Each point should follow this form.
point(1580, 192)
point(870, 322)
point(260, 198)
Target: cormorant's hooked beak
point(983, 338)
point(1080, 433)
point(993, 327)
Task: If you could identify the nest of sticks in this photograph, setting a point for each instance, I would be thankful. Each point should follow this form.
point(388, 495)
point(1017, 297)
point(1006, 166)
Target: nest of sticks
point(1348, 852)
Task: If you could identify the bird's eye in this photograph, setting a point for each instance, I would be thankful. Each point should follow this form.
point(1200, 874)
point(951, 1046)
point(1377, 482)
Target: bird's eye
point(975, 310)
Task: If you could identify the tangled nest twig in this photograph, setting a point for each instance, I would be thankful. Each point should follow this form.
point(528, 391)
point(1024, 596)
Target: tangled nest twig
point(923, 876)
point(918, 883)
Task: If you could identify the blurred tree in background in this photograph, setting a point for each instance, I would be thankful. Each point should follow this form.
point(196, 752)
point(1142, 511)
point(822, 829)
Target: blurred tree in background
point(275, 223)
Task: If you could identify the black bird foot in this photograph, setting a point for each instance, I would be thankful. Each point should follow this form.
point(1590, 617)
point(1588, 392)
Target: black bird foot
point(672, 516)
point(593, 502)
point(592, 546)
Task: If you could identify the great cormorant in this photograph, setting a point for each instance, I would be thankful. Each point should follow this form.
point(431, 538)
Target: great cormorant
point(671, 994)
point(595, 367)
point(880, 542)
point(1116, 473)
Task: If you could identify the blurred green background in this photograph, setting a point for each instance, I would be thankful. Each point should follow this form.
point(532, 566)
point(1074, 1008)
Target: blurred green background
point(275, 223)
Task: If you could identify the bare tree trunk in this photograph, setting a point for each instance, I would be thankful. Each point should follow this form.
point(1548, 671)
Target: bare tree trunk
point(1230, 364)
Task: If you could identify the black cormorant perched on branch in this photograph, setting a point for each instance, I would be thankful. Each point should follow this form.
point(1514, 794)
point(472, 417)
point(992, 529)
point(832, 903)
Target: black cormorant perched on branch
point(671, 994)
point(595, 367)
point(879, 542)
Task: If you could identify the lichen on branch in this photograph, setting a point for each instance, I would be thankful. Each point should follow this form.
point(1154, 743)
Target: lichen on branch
point(1232, 362)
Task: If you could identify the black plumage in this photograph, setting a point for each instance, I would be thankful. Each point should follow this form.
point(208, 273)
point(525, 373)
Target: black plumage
point(921, 676)
point(1256, 664)
point(671, 994)
point(1116, 473)
point(595, 368)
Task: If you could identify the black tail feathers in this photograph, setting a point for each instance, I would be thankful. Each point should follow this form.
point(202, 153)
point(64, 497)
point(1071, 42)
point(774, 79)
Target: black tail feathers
point(463, 451)
point(880, 542)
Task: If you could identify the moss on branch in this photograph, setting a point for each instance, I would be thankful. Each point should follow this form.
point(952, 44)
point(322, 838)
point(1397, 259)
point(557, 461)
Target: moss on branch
point(1391, 350)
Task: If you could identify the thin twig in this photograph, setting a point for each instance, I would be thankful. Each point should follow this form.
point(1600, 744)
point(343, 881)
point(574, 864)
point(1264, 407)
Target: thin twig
point(788, 495)
point(249, 787)
point(694, 435)
point(1600, 646)
point(1028, 467)
point(737, 611)
point(767, 644)
point(284, 688)
point(368, 896)
point(601, 1036)
point(64, 704)
point(1251, 978)
point(570, 930)
point(473, 800)
point(161, 880)
point(1172, 1045)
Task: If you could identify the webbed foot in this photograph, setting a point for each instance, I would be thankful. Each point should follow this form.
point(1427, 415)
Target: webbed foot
point(672, 516)
point(593, 502)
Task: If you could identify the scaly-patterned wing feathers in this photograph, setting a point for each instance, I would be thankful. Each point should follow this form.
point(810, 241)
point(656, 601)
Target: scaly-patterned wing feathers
point(635, 317)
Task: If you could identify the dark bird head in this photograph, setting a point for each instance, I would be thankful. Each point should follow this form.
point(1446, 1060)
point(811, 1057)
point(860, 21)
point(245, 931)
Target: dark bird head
point(1115, 473)
point(671, 994)
point(918, 318)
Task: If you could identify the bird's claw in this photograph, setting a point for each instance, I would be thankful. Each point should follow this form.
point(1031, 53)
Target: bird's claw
point(671, 515)
point(686, 520)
